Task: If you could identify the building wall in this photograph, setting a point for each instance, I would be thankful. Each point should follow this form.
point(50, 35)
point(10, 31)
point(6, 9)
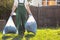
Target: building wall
point(40, 3)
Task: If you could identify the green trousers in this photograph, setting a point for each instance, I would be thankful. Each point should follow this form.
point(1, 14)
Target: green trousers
point(21, 18)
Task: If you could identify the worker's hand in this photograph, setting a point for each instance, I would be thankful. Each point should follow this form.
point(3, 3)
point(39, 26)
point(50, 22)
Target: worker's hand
point(30, 14)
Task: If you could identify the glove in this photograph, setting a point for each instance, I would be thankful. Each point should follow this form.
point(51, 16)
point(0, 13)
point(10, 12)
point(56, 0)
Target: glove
point(30, 14)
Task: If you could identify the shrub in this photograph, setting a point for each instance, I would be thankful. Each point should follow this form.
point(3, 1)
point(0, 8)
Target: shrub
point(5, 8)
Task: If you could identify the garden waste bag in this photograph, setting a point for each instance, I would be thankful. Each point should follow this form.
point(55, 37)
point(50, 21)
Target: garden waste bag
point(31, 25)
point(10, 27)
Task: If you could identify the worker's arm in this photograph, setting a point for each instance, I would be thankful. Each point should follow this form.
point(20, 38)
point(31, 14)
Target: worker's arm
point(14, 6)
point(28, 8)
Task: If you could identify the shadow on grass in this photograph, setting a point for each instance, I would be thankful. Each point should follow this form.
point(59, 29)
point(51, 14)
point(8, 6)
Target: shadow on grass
point(5, 37)
point(17, 38)
point(12, 38)
point(28, 36)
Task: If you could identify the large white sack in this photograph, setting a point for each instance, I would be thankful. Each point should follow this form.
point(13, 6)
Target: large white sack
point(10, 27)
point(31, 24)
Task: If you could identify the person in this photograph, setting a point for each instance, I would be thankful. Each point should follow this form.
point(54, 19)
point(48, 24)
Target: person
point(21, 7)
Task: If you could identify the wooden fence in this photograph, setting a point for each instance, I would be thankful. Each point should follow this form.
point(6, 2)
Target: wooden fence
point(48, 16)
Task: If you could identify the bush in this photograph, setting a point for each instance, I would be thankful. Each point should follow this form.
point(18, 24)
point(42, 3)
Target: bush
point(5, 8)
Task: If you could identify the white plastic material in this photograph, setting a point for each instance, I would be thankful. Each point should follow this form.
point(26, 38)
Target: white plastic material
point(14, 13)
point(31, 24)
point(10, 25)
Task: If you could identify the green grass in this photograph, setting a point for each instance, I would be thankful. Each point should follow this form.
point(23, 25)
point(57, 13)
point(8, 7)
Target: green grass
point(41, 34)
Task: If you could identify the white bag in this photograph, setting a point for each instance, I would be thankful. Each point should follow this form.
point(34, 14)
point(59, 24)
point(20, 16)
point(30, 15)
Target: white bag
point(10, 27)
point(31, 24)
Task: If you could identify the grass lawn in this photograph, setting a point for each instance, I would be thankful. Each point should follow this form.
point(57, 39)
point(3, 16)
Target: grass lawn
point(41, 34)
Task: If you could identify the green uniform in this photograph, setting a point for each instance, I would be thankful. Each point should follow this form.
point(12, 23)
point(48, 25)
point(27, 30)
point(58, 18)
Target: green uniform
point(20, 18)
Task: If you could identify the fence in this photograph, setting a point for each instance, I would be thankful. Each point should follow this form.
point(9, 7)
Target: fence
point(48, 16)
